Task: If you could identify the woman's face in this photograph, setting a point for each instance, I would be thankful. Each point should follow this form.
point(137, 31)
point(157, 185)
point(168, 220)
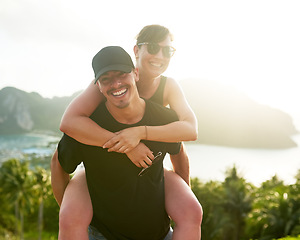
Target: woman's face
point(152, 64)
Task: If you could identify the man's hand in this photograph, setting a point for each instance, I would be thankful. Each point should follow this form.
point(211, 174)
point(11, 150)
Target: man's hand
point(141, 155)
point(125, 140)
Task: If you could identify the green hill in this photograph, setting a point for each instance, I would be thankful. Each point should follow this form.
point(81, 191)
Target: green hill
point(225, 117)
point(230, 118)
point(22, 112)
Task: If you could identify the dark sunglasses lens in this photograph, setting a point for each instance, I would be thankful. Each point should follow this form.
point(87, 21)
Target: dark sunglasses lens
point(153, 48)
point(167, 51)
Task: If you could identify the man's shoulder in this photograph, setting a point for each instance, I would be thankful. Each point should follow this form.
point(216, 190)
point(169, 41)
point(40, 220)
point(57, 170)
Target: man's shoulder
point(100, 108)
point(159, 111)
point(100, 113)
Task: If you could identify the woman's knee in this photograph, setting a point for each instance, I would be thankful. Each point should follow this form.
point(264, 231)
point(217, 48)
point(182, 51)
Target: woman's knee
point(70, 216)
point(194, 211)
point(71, 226)
point(181, 203)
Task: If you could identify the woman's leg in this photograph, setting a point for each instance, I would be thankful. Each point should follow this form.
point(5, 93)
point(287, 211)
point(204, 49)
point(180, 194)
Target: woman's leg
point(76, 210)
point(183, 207)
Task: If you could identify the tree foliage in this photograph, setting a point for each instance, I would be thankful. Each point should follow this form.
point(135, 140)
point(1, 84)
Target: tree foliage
point(23, 192)
point(237, 210)
point(233, 209)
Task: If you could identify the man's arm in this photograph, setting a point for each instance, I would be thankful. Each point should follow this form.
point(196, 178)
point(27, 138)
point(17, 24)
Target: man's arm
point(59, 178)
point(181, 164)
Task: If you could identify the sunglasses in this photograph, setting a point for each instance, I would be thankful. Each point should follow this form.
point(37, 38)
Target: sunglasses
point(146, 169)
point(154, 48)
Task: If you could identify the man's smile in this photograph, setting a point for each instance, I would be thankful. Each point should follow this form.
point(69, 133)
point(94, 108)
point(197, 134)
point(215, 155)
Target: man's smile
point(119, 93)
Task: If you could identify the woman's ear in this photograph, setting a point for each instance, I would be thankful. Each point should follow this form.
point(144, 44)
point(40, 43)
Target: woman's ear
point(136, 73)
point(136, 51)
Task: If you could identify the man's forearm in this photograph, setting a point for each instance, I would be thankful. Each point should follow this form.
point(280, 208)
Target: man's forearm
point(181, 164)
point(59, 179)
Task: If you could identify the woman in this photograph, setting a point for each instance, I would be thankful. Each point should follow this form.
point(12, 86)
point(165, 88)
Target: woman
point(153, 53)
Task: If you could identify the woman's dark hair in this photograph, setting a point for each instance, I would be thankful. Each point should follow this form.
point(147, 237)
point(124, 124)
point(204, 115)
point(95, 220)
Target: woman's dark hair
point(153, 34)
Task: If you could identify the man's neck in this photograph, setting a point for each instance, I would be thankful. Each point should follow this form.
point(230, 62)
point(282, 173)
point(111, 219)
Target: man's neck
point(131, 114)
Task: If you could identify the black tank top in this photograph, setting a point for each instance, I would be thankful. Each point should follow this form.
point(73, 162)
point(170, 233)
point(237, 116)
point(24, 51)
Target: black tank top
point(158, 96)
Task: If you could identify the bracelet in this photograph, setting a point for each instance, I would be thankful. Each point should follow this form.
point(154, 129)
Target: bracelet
point(146, 133)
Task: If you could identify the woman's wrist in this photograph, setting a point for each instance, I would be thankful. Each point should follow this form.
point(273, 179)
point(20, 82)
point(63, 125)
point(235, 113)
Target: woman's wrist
point(146, 132)
point(143, 132)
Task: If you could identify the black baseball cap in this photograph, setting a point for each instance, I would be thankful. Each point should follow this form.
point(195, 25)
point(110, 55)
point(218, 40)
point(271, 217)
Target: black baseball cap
point(111, 58)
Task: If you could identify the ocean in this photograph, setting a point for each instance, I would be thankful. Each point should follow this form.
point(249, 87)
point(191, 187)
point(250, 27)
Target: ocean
point(20, 145)
point(255, 165)
point(206, 162)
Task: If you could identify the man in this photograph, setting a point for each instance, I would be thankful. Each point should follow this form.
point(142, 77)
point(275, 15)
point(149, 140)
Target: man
point(128, 201)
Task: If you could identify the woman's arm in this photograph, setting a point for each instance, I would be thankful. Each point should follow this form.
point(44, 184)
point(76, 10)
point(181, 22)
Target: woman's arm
point(186, 128)
point(183, 130)
point(76, 122)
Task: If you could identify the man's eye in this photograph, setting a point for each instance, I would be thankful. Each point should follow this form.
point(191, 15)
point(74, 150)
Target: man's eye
point(122, 75)
point(104, 80)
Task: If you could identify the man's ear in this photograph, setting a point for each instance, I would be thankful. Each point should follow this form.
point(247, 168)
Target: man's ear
point(98, 84)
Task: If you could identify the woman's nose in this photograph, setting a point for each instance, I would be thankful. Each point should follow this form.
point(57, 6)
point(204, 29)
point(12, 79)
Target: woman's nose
point(160, 53)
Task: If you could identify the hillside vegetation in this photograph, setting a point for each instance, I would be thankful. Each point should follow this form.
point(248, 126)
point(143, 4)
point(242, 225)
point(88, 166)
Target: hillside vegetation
point(225, 117)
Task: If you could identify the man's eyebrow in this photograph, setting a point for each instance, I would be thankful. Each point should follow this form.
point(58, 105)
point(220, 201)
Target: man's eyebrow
point(116, 71)
point(121, 73)
point(104, 74)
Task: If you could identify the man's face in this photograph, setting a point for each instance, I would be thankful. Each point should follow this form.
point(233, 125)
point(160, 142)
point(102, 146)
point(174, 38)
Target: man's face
point(118, 87)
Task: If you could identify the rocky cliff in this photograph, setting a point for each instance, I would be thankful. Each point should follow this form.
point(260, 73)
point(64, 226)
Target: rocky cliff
point(22, 112)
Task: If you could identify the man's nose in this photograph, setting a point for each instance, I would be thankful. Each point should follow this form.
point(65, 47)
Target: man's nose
point(116, 82)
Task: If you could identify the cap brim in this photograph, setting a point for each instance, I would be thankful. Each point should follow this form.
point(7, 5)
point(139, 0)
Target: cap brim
point(116, 67)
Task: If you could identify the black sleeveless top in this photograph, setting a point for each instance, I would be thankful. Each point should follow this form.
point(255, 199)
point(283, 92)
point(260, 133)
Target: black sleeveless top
point(158, 96)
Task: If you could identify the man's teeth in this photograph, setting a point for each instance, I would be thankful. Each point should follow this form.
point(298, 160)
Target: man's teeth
point(118, 93)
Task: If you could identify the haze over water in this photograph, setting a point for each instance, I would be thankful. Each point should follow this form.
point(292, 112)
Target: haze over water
point(255, 165)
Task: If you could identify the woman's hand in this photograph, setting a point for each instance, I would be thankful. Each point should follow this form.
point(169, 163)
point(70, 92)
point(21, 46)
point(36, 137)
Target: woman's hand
point(141, 156)
point(125, 140)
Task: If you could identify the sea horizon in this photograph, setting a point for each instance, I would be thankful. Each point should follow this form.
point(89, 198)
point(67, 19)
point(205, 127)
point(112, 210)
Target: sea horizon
point(207, 162)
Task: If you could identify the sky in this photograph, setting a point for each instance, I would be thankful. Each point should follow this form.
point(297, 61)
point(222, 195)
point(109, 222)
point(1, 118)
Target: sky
point(253, 46)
